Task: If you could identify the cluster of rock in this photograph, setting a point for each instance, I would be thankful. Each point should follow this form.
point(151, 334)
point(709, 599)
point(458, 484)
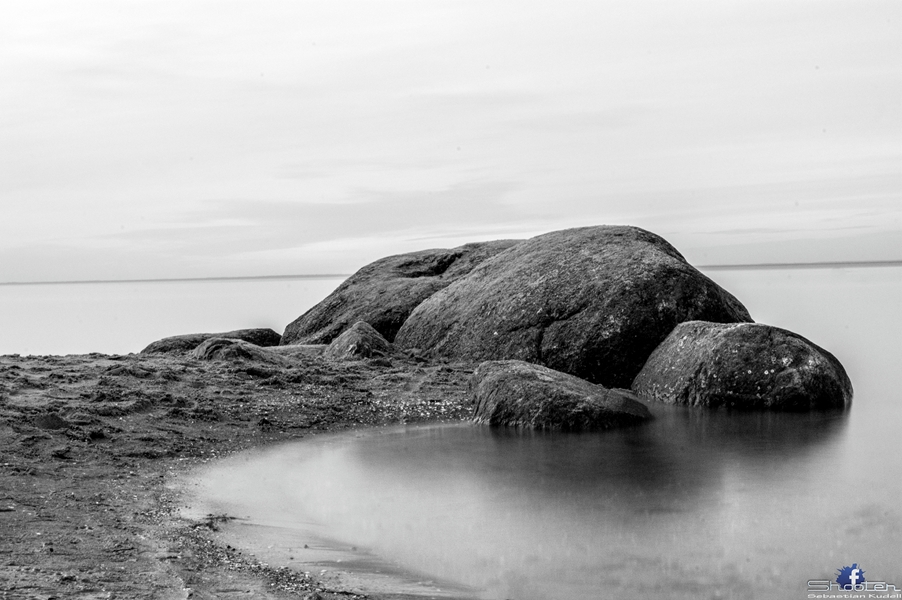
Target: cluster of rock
point(573, 328)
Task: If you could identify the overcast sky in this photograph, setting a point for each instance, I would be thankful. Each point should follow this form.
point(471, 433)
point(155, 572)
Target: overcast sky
point(179, 139)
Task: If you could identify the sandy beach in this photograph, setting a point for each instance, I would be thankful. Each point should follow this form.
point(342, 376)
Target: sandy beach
point(92, 448)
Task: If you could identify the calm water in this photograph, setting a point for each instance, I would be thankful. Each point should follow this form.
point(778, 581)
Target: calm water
point(118, 318)
point(693, 505)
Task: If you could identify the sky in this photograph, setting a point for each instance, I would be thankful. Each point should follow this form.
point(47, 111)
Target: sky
point(207, 139)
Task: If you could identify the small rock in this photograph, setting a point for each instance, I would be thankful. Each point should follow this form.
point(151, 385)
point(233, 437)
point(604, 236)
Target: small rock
point(232, 349)
point(51, 421)
point(360, 341)
point(186, 343)
point(61, 452)
point(95, 435)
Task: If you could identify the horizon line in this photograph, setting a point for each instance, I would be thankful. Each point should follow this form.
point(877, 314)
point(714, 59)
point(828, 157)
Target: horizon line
point(849, 264)
point(715, 267)
point(179, 279)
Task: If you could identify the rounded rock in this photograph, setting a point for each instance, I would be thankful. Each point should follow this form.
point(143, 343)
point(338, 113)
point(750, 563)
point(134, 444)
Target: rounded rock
point(188, 342)
point(743, 366)
point(360, 341)
point(520, 394)
point(593, 302)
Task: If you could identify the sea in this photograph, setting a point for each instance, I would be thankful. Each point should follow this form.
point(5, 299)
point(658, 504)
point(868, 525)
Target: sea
point(695, 504)
point(121, 317)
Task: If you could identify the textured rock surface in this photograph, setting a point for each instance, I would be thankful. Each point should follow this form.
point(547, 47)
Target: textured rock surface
point(306, 350)
point(233, 349)
point(360, 341)
point(188, 342)
point(745, 366)
point(593, 302)
point(385, 292)
point(521, 394)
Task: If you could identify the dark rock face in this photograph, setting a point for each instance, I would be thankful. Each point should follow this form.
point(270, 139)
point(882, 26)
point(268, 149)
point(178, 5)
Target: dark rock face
point(593, 302)
point(360, 341)
point(188, 342)
point(231, 349)
point(521, 394)
point(50, 421)
point(385, 292)
point(743, 366)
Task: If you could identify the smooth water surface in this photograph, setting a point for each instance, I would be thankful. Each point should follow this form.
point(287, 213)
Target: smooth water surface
point(696, 504)
point(123, 317)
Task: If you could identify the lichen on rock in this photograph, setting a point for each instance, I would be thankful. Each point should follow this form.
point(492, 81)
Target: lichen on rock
point(743, 366)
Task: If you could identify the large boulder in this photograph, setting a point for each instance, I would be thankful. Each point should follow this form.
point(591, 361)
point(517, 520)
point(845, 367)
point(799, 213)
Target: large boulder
point(743, 366)
point(593, 302)
point(521, 394)
point(385, 292)
point(190, 341)
point(360, 341)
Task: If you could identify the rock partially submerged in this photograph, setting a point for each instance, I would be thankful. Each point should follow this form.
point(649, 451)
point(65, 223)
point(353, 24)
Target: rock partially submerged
point(188, 342)
point(385, 292)
point(521, 394)
point(743, 366)
point(593, 302)
point(360, 341)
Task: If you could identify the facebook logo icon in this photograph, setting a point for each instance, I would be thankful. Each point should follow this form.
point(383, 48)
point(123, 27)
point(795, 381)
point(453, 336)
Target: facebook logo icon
point(850, 576)
point(851, 579)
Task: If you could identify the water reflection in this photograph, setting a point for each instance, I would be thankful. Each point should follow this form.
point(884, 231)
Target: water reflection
point(749, 436)
point(678, 459)
point(548, 515)
point(695, 504)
